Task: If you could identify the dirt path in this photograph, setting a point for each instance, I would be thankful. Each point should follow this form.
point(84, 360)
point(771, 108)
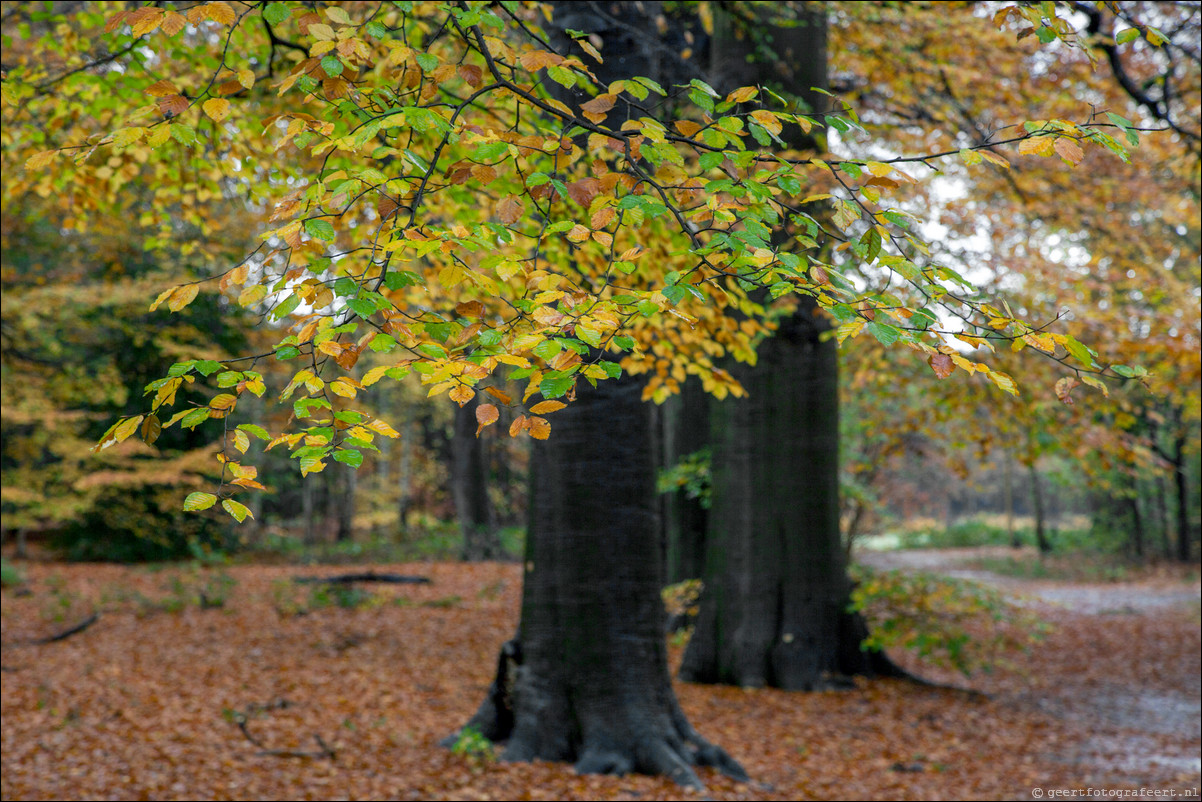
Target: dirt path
point(1136, 704)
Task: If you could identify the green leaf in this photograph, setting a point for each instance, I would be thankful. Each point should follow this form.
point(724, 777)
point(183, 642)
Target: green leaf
point(275, 13)
point(199, 501)
point(194, 418)
point(256, 430)
point(286, 307)
point(884, 333)
point(320, 229)
point(553, 386)
point(1126, 35)
point(239, 512)
point(332, 65)
point(427, 62)
point(348, 456)
point(362, 307)
point(287, 352)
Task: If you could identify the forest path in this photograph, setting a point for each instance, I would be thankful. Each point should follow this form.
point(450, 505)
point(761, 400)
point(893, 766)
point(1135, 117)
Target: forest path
point(1135, 694)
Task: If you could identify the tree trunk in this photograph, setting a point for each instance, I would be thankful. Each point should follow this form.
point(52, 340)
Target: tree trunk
point(1183, 527)
point(348, 482)
point(469, 487)
point(685, 426)
point(586, 679)
point(1041, 534)
point(403, 475)
point(773, 611)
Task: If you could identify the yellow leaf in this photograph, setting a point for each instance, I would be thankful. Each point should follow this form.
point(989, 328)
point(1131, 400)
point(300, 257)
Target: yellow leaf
point(1003, 381)
point(849, 329)
point(182, 296)
point(879, 169)
point(217, 109)
point(159, 136)
point(321, 31)
point(124, 137)
point(39, 160)
point(543, 407)
point(461, 394)
point(375, 374)
point(241, 440)
point(223, 401)
point(768, 120)
point(380, 427)
point(162, 297)
point(127, 427)
point(1037, 146)
point(220, 13)
point(578, 233)
point(246, 78)
point(343, 388)
point(742, 94)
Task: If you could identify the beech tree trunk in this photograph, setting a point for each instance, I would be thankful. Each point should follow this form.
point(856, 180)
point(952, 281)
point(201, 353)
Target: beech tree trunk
point(684, 422)
point(586, 679)
point(774, 608)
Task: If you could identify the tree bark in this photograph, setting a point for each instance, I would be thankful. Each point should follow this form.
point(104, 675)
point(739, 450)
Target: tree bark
point(774, 606)
point(685, 426)
point(773, 611)
point(586, 680)
point(469, 487)
point(1041, 534)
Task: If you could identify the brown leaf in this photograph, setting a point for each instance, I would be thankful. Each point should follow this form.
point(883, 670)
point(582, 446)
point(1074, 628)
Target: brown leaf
point(511, 209)
point(942, 364)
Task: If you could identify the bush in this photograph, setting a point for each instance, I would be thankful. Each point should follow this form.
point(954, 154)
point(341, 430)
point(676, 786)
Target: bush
point(10, 575)
point(141, 525)
point(952, 623)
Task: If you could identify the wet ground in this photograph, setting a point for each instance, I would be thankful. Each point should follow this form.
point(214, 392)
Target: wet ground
point(1146, 723)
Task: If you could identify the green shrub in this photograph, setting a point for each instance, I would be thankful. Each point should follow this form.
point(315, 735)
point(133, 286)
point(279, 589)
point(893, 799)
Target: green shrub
point(10, 575)
point(952, 623)
point(143, 524)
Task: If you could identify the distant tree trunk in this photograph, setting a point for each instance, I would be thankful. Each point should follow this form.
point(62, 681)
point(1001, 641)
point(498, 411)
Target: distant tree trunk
point(774, 608)
point(1182, 484)
point(1162, 519)
point(1041, 535)
point(347, 479)
point(308, 491)
point(469, 487)
point(404, 481)
point(685, 426)
point(586, 679)
point(1008, 498)
point(1137, 525)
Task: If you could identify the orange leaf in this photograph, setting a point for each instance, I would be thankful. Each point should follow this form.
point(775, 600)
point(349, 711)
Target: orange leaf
point(543, 407)
point(486, 415)
point(540, 429)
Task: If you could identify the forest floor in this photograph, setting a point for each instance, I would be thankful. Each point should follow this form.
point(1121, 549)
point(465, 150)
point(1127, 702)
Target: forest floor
point(278, 690)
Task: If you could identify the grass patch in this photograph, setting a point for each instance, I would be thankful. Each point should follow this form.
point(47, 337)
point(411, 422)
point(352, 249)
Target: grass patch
point(1075, 567)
